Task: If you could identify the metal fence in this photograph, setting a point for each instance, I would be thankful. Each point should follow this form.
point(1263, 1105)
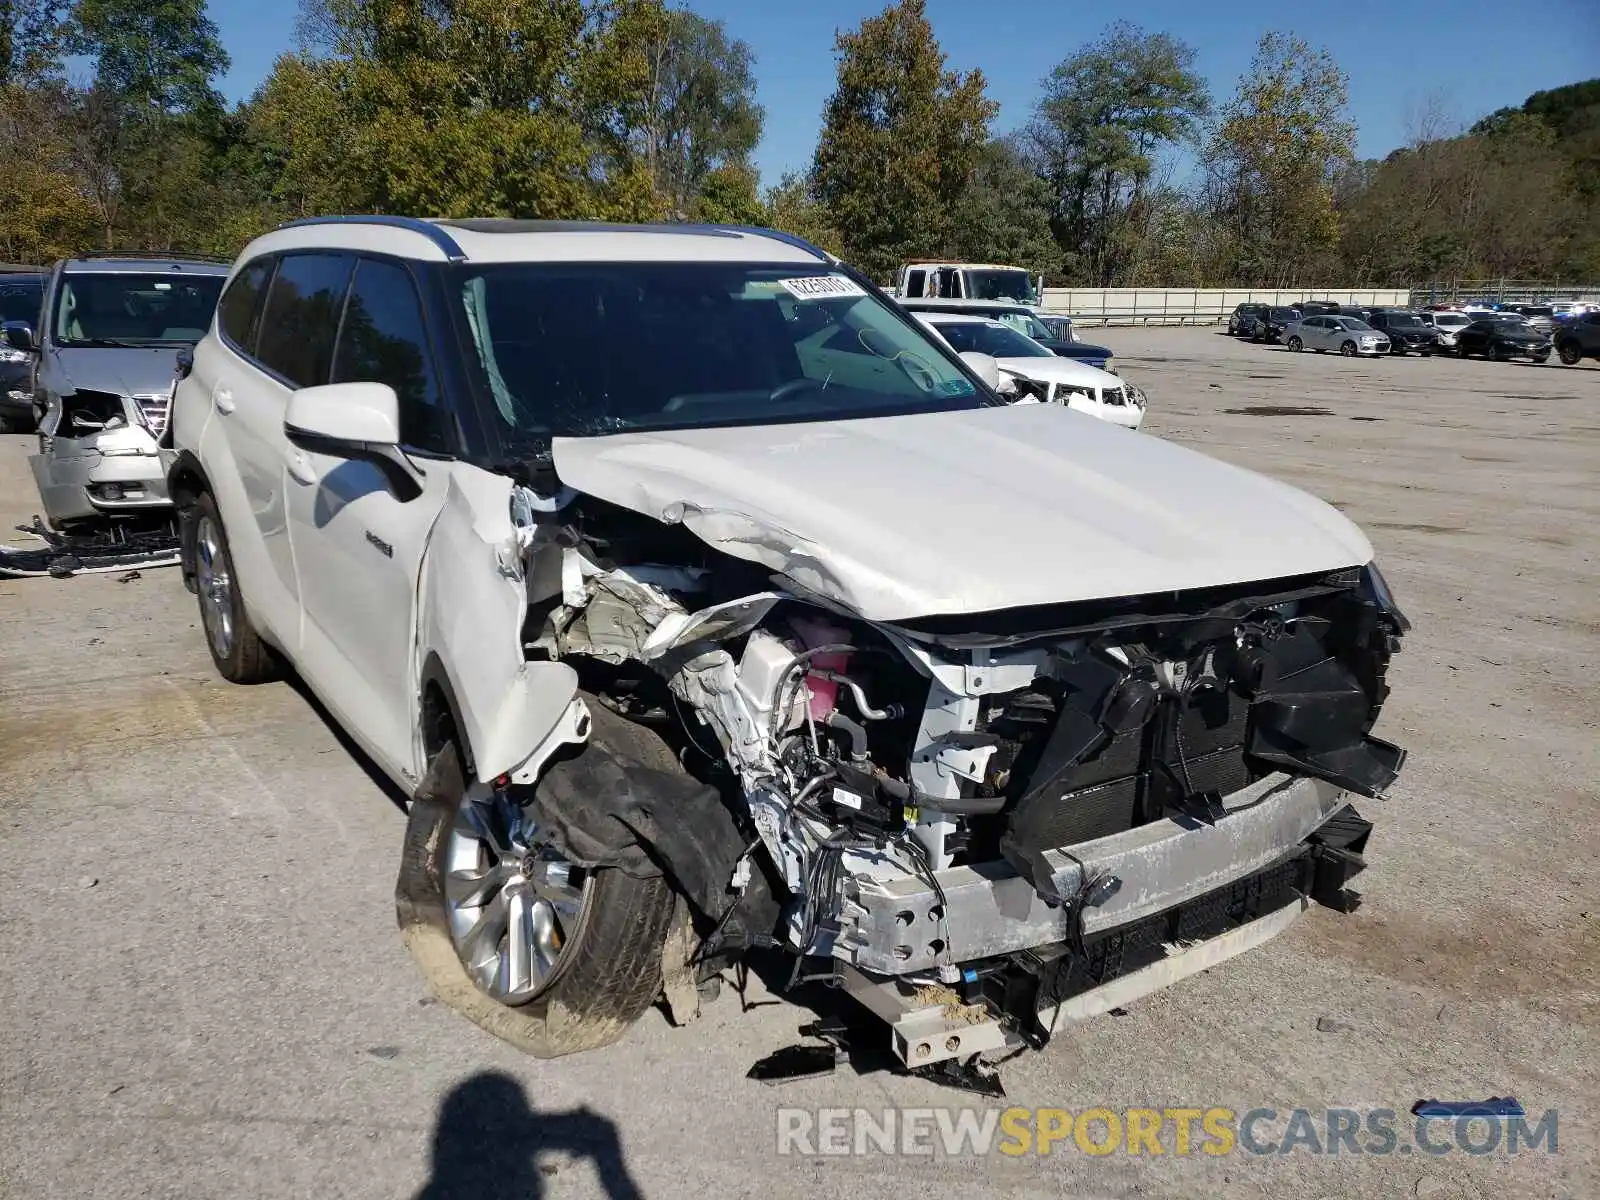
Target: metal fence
point(1501, 291)
point(1195, 306)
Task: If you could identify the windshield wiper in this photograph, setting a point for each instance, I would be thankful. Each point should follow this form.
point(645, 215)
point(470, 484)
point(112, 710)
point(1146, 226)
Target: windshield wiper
point(104, 343)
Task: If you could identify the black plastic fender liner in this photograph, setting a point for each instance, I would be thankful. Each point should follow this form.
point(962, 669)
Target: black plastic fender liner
point(623, 801)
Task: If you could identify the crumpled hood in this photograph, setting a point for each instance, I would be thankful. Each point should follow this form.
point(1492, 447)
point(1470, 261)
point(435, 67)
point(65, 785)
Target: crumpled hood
point(130, 372)
point(969, 511)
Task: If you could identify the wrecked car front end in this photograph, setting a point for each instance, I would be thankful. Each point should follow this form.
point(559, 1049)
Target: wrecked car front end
point(1016, 827)
point(979, 824)
point(99, 457)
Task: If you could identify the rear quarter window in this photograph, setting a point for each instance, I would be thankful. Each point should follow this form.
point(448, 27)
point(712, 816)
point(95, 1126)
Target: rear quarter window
point(240, 307)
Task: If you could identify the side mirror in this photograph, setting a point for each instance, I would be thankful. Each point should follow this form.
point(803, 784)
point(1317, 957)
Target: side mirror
point(19, 335)
point(984, 366)
point(359, 421)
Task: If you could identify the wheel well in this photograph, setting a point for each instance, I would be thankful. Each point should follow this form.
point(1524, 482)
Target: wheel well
point(437, 718)
point(186, 482)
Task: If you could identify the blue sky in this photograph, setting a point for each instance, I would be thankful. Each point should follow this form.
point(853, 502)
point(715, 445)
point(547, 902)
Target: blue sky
point(1473, 55)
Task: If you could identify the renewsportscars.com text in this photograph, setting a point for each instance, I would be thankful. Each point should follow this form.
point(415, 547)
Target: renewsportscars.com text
point(1213, 1132)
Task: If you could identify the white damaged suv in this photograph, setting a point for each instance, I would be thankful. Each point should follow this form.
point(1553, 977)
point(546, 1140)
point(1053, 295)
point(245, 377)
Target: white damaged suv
point(703, 601)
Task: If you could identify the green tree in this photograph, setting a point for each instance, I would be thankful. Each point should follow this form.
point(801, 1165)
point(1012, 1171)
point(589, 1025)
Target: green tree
point(792, 207)
point(1106, 114)
point(901, 140)
point(32, 37)
point(1271, 163)
point(728, 196)
point(495, 107)
point(1004, 216)
point(160, 54)
point(701, 114)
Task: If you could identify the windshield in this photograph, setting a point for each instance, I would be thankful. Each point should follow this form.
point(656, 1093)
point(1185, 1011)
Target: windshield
point(1537, 310)
point(1352, 323)
point(593, 348)
point(128, 309)
point(997, 340)
point(1001, 284)
point(1026, 324)
point(20, 299)
point(1402, 321)
point(1284, 314)
point(1451, 320)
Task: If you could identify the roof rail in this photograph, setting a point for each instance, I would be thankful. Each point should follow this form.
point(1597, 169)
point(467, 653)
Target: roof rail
point(780, 236)
point(162, 255)
point(434, 233)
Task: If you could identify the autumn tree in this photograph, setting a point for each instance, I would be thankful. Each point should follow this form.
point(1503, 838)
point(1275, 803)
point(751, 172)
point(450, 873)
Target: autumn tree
point(901, 140)
point(1106, 115)
point(1271, 161)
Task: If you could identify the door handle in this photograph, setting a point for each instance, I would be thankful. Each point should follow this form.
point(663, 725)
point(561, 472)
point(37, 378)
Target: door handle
point(300, 469)
point(222, 401)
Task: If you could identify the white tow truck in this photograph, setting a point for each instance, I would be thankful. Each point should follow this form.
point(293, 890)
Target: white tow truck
point(940, 280)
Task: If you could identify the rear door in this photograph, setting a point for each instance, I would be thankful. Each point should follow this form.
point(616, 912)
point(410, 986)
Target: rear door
point(358, 541)
point(291, 347)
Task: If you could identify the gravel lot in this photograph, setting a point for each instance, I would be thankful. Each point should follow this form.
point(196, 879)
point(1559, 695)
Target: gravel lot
point(205, 994)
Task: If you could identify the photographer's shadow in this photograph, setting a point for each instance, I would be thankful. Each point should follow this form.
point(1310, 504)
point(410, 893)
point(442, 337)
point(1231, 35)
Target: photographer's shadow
point(489, 1142)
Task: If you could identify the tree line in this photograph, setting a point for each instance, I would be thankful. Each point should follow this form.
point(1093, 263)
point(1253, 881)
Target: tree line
point(1126, 172)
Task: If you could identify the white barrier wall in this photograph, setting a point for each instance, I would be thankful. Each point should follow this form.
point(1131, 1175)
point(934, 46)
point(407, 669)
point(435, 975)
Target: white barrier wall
point(1195, 306)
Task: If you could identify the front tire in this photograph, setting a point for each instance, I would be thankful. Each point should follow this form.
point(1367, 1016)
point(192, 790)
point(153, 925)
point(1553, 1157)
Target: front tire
point(1348, 349)
point(1571, 353)
point(586, 962)
point(1296, 344)
point(236, 648)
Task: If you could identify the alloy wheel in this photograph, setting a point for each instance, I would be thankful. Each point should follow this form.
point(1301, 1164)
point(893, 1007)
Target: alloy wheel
point(214, 582)
point(514, 907)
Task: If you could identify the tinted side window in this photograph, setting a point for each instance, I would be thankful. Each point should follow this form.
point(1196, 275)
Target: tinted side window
point(301, 318)
point(241, 304)
point(384, 340)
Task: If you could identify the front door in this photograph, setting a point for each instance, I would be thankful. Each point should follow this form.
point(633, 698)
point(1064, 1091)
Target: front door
point(358, 541)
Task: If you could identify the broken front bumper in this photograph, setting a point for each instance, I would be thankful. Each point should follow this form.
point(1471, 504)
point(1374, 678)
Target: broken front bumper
point(82, 487)
point(895, 926)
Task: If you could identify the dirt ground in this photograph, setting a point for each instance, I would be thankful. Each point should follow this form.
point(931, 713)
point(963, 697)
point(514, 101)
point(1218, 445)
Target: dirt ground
point(204, 993)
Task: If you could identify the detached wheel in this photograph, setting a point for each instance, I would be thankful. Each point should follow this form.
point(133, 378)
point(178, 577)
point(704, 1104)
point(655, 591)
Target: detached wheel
point(548, 955)
point(240, 654)
point(1571, 353)
point(1296, 344)
point(1348, 349)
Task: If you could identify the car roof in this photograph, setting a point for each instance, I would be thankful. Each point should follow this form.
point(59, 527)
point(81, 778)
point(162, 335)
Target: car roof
point(142, 266)
point(964, 266)
point(956, 304)
point(936, 318)
point(506, 240)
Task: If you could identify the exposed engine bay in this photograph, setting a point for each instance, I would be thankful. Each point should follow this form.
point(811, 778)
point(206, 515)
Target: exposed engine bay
point(998, 811)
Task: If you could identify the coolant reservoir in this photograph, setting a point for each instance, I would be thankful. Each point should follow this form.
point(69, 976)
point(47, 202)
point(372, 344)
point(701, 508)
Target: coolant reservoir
point(814, 631)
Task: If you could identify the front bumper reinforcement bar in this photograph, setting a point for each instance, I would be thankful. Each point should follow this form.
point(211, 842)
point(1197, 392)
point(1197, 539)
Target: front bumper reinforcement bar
point(893, 927)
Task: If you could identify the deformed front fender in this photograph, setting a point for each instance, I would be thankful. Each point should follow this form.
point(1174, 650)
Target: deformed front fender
point(472, 603)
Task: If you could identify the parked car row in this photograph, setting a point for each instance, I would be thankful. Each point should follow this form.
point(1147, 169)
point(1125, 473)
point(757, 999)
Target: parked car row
point(21, 296)
point(1325, 326)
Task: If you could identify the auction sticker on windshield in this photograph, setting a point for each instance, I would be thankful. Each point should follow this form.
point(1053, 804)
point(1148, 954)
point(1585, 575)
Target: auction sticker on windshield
point(821, 287)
